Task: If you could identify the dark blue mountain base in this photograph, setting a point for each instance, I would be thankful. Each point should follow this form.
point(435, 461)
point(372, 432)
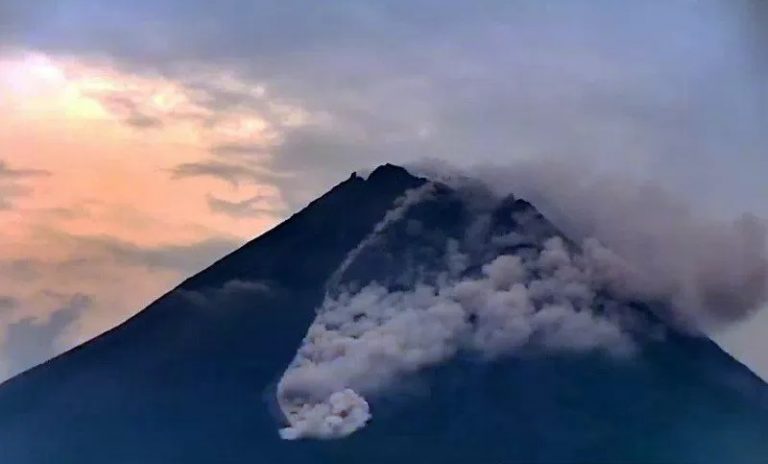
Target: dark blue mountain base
point(192, 378)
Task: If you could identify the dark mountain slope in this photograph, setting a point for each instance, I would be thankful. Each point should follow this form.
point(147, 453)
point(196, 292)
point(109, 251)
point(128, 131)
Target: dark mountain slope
point(192, 378)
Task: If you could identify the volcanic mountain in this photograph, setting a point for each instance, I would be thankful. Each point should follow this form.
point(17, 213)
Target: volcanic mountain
point(393, 320)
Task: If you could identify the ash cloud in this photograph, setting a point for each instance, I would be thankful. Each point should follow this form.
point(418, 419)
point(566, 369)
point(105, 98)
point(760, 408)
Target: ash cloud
point(712, 272)
point(534, 292)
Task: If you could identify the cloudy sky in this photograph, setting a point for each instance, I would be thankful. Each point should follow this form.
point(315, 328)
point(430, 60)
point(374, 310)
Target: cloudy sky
point(142, 139)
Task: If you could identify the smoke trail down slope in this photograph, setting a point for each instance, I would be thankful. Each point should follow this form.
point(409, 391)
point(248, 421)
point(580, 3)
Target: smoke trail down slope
point(401, 207)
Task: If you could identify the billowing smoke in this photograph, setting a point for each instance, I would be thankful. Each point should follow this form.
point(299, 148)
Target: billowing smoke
point(526, 289)
point(362, 340)
point(711, 272)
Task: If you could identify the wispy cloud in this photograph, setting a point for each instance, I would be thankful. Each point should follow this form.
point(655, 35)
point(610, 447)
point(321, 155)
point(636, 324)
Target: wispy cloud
point(7, 303)
point(95, 251)
point(254, 206)
point(234, 174)
point(6, 172)
point(12, 183)
point(132, 109)
point(239, 149)
point(185, 258)
point(141, 121)
point(9, 192)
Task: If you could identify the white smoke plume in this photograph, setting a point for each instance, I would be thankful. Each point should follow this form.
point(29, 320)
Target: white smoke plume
point(342, 413)
point(361, 342)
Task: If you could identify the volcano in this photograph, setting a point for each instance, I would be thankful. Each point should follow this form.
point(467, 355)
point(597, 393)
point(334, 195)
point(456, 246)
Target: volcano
point(396, 292)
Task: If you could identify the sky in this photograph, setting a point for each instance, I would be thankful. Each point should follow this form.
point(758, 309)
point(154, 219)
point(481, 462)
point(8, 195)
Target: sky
point(141, 140)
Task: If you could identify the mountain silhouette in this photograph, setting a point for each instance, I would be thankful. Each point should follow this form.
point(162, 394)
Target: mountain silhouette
point(194, 377)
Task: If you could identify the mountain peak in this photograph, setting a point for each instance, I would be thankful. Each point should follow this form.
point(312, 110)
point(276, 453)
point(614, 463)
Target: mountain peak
point(389, 172)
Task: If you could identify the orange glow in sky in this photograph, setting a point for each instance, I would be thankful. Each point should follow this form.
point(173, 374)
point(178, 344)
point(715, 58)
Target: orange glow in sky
point(108, 142)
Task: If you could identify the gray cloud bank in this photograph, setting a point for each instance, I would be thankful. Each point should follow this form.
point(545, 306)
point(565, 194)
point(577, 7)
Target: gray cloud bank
point(31, 341)
point(665, 89)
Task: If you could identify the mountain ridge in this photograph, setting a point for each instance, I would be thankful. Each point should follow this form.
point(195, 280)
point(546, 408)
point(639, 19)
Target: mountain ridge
point(194, 377)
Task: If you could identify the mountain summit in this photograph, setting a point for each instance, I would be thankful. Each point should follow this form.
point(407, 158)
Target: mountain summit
point(393, 319)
